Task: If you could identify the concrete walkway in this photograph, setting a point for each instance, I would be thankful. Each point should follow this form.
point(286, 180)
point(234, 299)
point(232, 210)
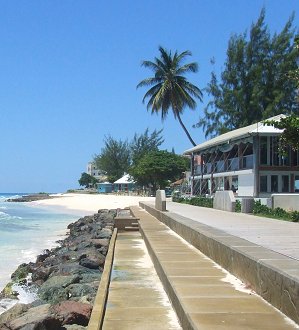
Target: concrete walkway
point(136, 298)
point(276, 235)
point(204, 295)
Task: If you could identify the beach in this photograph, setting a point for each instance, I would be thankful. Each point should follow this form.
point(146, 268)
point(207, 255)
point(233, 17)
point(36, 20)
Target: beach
point(85, 204)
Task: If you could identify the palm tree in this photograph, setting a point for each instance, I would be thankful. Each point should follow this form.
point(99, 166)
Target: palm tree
point(169, 87)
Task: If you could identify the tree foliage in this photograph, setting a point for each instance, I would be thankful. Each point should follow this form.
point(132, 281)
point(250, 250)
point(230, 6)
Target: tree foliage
point(157, 168)
point(87, 180)
point(144, 143)
point(289, 137)
point(168, 87)
point(117, 156)
point(114, 158)
point(253, 85)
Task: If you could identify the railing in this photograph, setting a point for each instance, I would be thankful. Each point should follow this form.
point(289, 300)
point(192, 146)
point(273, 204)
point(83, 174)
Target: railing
point(232, 164)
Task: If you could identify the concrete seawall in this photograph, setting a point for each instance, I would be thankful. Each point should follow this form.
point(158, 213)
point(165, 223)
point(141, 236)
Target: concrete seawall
point(273, 276)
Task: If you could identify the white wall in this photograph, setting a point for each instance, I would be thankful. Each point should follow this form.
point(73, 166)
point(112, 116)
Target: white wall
point(246, 184)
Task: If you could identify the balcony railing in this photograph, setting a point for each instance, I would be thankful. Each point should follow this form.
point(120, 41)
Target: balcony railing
point(232, 164)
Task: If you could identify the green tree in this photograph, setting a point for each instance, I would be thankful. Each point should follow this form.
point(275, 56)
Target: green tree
point(253, 85)
point(294, 74)
point(168, 87)
point(144, 143)
point(157, 168)
point(87, 180)
point(114, 158)
point(290, 134)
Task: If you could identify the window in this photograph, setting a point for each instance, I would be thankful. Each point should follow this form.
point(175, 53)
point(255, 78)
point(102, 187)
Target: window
point(285, 183)
point(295, 156)
point(263, 150)
point(263, 183)
point(274, 183)
point(296, 185)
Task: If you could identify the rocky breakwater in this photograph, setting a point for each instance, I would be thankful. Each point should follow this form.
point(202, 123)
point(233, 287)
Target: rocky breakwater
point(32, 198)
point(65, 279)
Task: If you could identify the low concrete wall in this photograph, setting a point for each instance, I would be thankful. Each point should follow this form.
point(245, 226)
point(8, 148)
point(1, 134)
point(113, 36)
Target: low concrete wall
point(225, 201)
point(98, 311)
point(288, 202)
point(271, 275)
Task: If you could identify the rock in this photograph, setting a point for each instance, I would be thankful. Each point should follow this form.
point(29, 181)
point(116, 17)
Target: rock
point(41, 274)
point(100, 242)
point(104, 233)
point(90, 263)
point(74, 327)
point(20, 273)
point(42, 257)
point(80, 290)
point(53, 289)
point(13, 313)
point(31, 198)
point(8, 291)
point(72, 312)
point(36, 318)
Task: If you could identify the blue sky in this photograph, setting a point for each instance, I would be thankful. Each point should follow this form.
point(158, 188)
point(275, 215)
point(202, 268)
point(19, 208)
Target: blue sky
point(69, 71)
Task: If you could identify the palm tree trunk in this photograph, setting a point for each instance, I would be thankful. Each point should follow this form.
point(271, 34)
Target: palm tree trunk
point(185, 129)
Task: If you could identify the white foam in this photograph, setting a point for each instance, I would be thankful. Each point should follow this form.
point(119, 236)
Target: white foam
point(6, 304)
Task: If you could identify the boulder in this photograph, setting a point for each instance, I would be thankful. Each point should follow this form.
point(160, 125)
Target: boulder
point(74, 327)
point(103, 233)
point(39, 317)
point(92, 263)
point(72, 312)
point(100, 242)
point(13, 313)
point(80, 290)
point(53, 289)
point(20, 273)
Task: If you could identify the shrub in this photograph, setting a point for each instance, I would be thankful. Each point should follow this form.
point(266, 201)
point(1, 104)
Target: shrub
point(259, 208)
point(295, 216)
point(238, 206)
point(280, 213)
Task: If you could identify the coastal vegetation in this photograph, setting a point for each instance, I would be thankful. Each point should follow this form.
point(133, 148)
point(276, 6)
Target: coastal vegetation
point(117, 156)
point(254, 84)
point(87, 180)
point(149, 167)
point(158, 169)
point(169, 89)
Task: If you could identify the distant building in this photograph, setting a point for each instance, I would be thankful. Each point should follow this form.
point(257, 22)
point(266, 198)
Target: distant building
point(95, 172)
point(245, 161)
point(105, 187)
point(124, 184)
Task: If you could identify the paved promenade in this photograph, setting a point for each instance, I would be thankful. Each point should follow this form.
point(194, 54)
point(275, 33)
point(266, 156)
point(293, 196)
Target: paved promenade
point(276, 235)
point(136, 298)
point(204, 295)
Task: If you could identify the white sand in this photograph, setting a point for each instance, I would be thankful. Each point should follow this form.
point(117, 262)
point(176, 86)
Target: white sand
point(84, 204)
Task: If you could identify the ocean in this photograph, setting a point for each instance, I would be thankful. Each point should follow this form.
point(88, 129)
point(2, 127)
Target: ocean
point(25, 232)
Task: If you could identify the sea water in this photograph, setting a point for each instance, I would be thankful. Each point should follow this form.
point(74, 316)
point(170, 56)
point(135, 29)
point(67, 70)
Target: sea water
point(25, 232)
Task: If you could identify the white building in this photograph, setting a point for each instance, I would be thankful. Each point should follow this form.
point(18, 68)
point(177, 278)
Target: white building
point(95, 172)
point(246, 161)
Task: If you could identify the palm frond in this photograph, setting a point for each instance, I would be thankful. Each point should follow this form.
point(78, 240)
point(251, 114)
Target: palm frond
point(151, 92)
point(148, 82)
point(190, 67)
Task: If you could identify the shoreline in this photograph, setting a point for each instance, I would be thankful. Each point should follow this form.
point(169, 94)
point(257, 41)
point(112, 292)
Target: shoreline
point(64, 279)
point(85, 204)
